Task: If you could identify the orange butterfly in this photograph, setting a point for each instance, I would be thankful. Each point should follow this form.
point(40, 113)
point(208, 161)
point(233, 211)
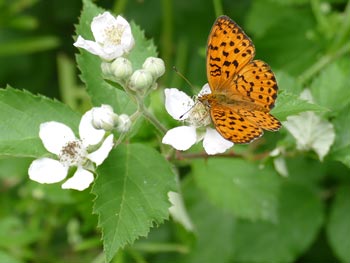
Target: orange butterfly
point(243, 90)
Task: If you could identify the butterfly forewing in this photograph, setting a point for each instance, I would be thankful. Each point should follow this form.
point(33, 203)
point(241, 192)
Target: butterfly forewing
point(229, 50)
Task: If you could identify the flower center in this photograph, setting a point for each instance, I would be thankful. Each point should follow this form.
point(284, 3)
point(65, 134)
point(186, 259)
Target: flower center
point(73, 153)
point(114, 34)
point(199, 115)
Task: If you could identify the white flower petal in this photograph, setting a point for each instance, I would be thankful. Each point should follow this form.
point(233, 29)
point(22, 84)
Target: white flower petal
point(127, 40)
point(101, 154)
point(177, 103)
point(181, 138)
point(311, 132)
point(99, 24)
point(55, 135)
point(47, 171)
point(178, 211)
point(214, 143)
point(306, 95)
point(79, 181)
point(88, 134)
point(205, 90)
point(281, 166)
point(90, 46)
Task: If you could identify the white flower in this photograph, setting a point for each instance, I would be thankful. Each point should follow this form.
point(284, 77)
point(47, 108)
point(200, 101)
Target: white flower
point(310, 131)
point(181, 107)
point(113, 37)
point(60, 140)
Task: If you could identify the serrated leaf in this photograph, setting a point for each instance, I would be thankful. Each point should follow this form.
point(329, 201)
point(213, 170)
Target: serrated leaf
point(21, 115)
point(131, 194)
point(239, 187)
point(338, 228)
point(290, 104)
point(299, 220)
point(341, 148)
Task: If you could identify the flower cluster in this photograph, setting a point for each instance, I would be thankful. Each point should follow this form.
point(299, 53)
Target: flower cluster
point(84, 153)
point(113, 42)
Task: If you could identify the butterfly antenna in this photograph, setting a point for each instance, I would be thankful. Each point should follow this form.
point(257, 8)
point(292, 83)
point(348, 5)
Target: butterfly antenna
point(189, 83)
point(183, 77)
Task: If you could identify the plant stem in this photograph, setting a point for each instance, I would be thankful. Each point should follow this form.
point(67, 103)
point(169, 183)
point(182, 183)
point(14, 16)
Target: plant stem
point(321, 63)
point(218, 7)
point(150, 117)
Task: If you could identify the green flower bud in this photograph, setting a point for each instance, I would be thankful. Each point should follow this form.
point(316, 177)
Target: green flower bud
point(155, 66)
point(121, 68)
point(106, 69)
point(140, 80)
point(124, 123)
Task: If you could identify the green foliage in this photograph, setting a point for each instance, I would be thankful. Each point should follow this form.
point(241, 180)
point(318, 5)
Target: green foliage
point(240, 187)
point(22, 113)
point(130, 197)
point(237, 202)
point(338, 228)
point(299, 220)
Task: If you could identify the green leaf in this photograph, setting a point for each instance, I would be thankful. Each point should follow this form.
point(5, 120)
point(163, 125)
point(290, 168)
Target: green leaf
point(341, 148)
point(331, 88)
point(21, 115)
point(131, 194)
point(239, 187)
point(290, 104)
point(338, 228)
point(214, 228)
point(300, 218)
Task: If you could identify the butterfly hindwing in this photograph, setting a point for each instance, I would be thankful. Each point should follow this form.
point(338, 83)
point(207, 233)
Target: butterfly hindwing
point(233, 126)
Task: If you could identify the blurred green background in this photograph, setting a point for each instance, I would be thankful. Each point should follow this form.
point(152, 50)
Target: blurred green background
point(296, 37)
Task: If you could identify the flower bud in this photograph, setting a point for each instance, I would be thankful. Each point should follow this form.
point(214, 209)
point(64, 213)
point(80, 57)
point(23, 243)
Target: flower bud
point(106, 69)
point(104, 117)
point(124, 123)
point(121, 68)
point(140, 80)
point(155, 66)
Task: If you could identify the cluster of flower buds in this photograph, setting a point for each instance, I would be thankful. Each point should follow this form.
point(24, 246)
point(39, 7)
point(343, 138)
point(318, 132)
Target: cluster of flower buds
point(113, 42)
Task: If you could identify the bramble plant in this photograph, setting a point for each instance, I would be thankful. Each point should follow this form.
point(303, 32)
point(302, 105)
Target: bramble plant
point(127, 183)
